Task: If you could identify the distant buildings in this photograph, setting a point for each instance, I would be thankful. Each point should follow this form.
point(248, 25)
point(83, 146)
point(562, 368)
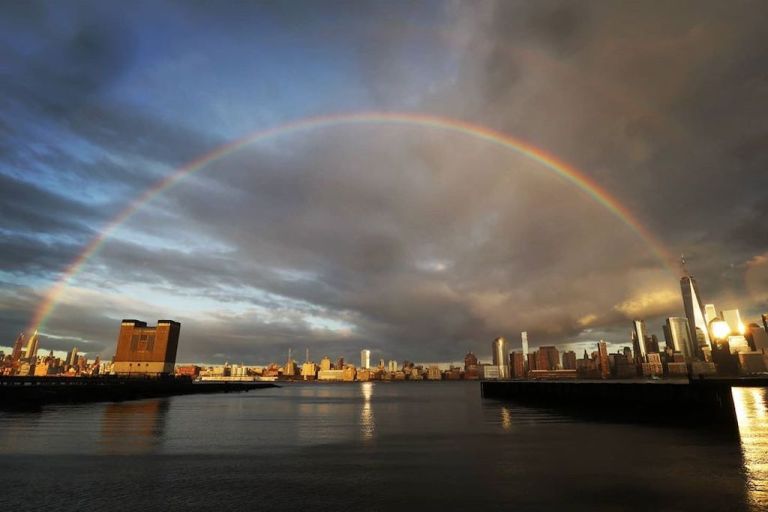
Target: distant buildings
point(365, 359)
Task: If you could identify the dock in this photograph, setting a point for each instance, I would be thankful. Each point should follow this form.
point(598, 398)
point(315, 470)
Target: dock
point(23, 392)
point(697, 401)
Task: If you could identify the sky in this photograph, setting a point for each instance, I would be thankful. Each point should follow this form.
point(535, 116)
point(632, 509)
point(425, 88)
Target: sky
point(417, 242)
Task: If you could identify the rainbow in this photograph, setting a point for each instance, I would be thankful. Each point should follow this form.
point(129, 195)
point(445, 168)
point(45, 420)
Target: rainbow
point(478, 132)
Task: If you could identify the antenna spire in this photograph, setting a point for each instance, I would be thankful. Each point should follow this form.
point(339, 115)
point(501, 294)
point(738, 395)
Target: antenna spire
point(684, 266)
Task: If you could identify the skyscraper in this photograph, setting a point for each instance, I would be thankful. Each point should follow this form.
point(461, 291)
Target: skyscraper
point(697, 324)
point(18, 346)
point(733, 318)
point(32, 347)
point(569, 360)
point(680, 336)
point(710, 313)
point(524, 338)
point(365, 359)
point(501, 356)
point(72, 357)
point(638, 339)
point(602, 357)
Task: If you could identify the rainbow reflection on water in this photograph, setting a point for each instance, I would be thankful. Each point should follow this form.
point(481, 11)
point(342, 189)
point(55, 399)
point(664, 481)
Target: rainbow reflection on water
point(751, 406)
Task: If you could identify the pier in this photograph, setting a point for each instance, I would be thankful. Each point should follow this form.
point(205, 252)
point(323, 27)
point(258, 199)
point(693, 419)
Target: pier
point(697, 401)
point(18, 391)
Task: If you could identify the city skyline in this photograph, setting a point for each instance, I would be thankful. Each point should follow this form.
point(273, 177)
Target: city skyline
point(477, 198)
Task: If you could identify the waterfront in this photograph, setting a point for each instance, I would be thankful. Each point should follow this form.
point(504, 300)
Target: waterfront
point(373, 446)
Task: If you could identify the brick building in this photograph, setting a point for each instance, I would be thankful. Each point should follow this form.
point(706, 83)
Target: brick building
point(143, 350)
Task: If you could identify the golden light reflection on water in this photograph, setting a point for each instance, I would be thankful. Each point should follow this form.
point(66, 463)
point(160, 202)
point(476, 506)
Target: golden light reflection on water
point(133, 427)
point(506, 418)
point(367, 423)
point(751, 406)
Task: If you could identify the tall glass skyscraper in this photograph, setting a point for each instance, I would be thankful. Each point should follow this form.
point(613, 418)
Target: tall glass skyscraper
point(680, 336)
point(694, 311)
point(501, 357)
point(638, 339)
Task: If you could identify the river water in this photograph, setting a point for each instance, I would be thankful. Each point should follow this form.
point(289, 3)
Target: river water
point(372, 446)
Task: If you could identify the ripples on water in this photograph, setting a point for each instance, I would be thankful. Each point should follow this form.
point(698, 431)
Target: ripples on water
point(373, 446)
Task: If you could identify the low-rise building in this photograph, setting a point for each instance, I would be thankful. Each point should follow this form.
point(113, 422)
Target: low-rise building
point(330, 375)
point(752, 362)
point(677, 370)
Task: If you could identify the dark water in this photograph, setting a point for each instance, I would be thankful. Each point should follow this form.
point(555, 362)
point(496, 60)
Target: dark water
point(382, 446)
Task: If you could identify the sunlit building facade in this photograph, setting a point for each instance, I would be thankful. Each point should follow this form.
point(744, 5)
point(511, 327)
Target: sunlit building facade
point(679, 333)
point(143, 350)
point(697, 323)
point(31, 352)
point(500, 353)
point(638, 340)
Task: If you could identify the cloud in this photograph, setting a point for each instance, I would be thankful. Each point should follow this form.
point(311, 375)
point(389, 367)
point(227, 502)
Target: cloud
point(417, 243)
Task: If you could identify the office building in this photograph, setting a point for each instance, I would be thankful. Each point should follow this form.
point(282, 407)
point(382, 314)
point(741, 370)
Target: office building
point(569, 360)
point(524, 339)
point(758, 338)
point(31, 352)
point(143, 350)
point(18, 347)
point(325, 364)
point(699, 328)
point(733, 318)
point(602, 359)
point(517, 365)
point(738, 343)
point(392, 365)
point(638, 339)
point(470, 360)
point(71, 357)
point(489, 371)
point(501, 356)
point(548, 358)
point(710, 313)
point(764, 316)
point(330, 375)
point(680, 337)
point(433, 373)
point(653, 368)
point(365, 359)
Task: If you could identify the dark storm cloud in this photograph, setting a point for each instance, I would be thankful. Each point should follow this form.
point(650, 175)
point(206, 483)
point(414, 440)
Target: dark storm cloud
point(425, 244)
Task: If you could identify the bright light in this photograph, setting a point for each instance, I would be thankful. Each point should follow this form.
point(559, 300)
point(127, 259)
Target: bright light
point(720, 329)
point(742, 329)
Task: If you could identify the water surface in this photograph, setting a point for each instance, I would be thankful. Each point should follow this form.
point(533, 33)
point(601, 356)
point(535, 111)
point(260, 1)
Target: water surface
point(373, 446)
